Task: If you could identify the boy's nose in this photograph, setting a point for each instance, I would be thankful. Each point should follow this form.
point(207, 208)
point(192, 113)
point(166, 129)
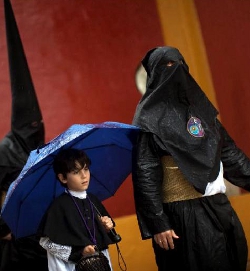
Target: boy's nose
point(83, 173)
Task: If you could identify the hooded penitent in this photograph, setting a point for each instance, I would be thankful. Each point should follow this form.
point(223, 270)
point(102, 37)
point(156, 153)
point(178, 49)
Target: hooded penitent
point(27, 129)
point(181, 117)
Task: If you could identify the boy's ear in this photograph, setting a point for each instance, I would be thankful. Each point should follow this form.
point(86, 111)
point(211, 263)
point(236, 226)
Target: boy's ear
point(61, 178)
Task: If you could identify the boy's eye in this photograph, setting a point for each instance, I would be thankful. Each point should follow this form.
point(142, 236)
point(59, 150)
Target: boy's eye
point(78, 170)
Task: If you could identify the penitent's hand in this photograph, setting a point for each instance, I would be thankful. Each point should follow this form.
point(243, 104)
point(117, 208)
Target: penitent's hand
point(166, 239)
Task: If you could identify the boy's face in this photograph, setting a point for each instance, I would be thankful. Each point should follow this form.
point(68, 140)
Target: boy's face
point(78, 179)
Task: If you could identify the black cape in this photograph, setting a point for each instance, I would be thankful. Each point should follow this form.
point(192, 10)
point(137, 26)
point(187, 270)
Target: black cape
point(62, 223)
point(172, 97)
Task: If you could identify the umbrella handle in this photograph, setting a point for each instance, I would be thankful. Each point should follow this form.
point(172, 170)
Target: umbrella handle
point(116, 238)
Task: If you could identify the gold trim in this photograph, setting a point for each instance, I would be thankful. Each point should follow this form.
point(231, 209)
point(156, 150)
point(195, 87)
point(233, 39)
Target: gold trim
point(175, 187)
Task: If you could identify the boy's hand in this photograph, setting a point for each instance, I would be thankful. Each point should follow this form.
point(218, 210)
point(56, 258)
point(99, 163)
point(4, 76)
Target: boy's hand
point(88, 250)
point(7, 237)
point(107, 222)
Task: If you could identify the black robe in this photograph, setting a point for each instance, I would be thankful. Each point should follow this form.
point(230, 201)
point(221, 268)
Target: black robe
point(211, 235)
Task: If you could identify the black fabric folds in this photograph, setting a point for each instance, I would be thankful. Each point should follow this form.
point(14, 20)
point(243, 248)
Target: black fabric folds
point(172, 97)
point(212, 237)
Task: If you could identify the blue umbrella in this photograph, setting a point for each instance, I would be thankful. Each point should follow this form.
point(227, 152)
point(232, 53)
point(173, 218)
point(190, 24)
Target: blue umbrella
point(109, 146)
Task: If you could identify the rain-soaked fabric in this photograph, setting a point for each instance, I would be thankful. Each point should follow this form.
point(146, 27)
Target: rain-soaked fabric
point(172, 97)
point(148, 176)
point(15, 149)
point(211, 237)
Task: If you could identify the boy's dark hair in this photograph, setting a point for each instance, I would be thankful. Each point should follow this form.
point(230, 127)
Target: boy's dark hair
point(65, 161)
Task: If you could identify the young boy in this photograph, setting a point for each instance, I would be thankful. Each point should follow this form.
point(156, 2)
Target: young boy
point(72, 227)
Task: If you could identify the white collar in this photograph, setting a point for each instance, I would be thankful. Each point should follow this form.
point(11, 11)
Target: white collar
point(78, 194)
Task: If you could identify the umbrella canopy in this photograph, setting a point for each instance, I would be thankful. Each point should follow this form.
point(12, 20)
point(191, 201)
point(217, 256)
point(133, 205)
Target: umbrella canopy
point(109, 145)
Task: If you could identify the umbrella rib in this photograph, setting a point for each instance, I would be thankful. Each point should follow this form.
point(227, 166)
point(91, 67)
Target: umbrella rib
point(102, 185)
point(37, 181)
point(76, 140)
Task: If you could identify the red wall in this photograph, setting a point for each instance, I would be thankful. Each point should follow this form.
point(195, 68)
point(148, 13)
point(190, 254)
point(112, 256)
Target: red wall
point(82, 56)
point(225, 26)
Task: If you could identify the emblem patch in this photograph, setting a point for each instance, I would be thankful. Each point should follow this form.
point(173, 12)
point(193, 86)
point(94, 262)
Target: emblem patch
point(195, 128)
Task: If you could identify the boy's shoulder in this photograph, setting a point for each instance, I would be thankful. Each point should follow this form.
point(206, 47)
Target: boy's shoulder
point(93, 197)
point(61, 199)
point(65, 198)
point(62, 196)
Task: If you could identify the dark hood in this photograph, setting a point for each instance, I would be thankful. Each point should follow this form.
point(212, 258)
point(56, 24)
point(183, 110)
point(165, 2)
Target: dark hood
point(172, 97)
point(27, 128)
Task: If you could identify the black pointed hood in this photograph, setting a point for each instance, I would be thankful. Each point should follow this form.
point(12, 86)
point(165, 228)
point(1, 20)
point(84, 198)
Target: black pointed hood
point(27, 128)
point(23, 92)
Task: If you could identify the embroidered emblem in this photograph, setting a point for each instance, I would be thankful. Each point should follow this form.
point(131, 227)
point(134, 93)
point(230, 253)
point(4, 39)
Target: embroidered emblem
point(195, 128)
